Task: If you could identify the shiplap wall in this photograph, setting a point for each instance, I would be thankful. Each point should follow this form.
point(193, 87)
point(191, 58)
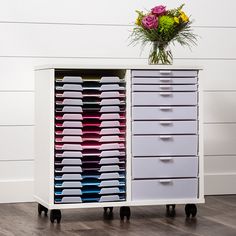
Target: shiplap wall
point(36, 32)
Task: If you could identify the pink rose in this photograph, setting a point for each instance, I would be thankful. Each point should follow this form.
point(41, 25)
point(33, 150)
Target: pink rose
point(150, 22)
point(159, 10)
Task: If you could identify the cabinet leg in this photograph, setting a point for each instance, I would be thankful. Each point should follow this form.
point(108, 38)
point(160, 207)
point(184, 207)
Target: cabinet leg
point(55, 215)
point(41, 209)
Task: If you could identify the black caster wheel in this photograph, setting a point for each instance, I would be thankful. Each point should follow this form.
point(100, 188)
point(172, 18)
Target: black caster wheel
point(108, 210)
point(125, 211)
point(170, 210)
point(55, 215)
point(190, 210)
point(41, 209)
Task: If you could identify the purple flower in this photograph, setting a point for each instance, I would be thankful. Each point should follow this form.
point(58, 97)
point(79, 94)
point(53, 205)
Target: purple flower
point(159, 10)
point(150, 22)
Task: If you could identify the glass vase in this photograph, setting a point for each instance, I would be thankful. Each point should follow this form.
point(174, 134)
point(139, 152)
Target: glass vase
point(160, 54)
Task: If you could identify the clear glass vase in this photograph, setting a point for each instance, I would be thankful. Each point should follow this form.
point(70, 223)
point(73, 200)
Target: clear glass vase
point(160, 54)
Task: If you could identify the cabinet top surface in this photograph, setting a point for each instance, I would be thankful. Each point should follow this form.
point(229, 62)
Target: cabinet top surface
point(125, 67)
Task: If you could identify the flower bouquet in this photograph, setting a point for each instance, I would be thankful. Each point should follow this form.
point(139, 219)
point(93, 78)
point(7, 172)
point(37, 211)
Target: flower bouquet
point(160, 27)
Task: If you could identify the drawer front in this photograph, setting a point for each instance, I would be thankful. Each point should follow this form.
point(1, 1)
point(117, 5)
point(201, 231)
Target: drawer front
point(164, 127)
point(164, 113)
point(163, 88)
point(165, 73)
point(166, 145)
point(164, 189)
point(164, 167)
point(164, 98)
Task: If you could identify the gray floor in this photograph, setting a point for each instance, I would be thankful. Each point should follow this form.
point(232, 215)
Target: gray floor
point(215, 218)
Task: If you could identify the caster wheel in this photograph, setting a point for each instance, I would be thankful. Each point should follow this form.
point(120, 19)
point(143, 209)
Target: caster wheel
point(41, 209)
point(125, 211)
point(170, 210)
point(55, 215)
point(108, 210)
point(190, 210)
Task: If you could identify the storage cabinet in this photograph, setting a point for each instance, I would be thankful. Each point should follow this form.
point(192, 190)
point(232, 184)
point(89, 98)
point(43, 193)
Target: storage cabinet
point(117, 136)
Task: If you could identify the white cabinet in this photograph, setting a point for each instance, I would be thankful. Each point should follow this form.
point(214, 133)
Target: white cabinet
point(117, 136)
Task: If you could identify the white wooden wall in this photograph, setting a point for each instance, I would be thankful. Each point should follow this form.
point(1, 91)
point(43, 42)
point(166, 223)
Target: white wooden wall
point(36, 32)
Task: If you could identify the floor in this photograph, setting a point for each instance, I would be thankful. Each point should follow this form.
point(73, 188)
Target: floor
point(215, 218)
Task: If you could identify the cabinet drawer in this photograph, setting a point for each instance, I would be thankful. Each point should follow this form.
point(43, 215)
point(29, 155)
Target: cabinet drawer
point(164, 98)
point(164, 127)
point(163, 88)
point(165, 145)
point(164, 167)
point(164, 73)
point(164, 189)
point(164, 113)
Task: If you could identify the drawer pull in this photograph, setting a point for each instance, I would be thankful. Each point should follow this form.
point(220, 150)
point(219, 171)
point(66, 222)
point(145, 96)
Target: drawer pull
point(165, 72)
point(165, 137)
point(165, 181)
point(165, 79)
point(165, 94)
point(165, 108)
point(165, 86)
point(166, 158)
point(166, 122)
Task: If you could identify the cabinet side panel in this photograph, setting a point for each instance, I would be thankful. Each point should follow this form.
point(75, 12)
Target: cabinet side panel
point(44, 138)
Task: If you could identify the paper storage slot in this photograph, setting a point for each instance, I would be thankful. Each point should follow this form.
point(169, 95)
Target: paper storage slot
point(68, 184)
point(112, 116)
point(164, 167)
point(68, 200)
point(70, 109)
point(110, 168)
point(164, 127)
point(110, 183)
point(69, 132)
point(67, 101)
point(105, 139)
point(163, 88)
point(113, 153)
point(105, 191)
point(111, 87)
point(70, 124)
point(67, 161)
point(110, 79)
point(68, 192)
point(113, 94)
point(111, 198)
point(69, 147)
point(70, 79)
point(69, 94)
point(69, 169)
point(69, 87)
point(164, 189)
point(110, 176)
point(105, 109)
point(105, 102)
point(69, 139)
point(164, 73)
point(69, 117)
point(164, 113)
point(110, 131)
point(105, 161)
point(74, 154)
point(68, 177)
point(165, 145)
point(164, 98)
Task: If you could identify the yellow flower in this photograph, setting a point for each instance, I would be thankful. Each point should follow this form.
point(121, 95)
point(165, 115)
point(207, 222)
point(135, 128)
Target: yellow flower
point(184, 17)
point(176, 19)
point(138, 21)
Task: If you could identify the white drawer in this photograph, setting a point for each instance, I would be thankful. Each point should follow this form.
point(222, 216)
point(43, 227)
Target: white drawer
point(164, 167)
point(165, 73)
point(164, 189)
point(164, 127)
point(164, 87)
point(164, 113)
point(164, 98)
point(165, 145)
